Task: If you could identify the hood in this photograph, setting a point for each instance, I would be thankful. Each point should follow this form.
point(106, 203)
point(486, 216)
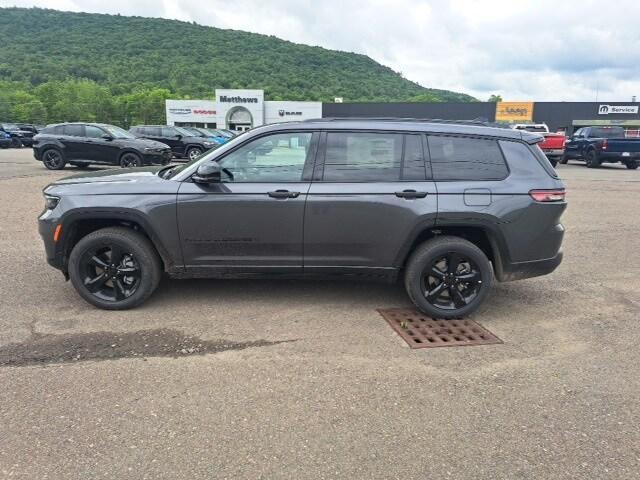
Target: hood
point(145, 142)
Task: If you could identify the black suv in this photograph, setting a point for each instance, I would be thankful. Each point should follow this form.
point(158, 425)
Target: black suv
point(83, 144)
point(444, 206)
point(19, 137)
point(183, 143)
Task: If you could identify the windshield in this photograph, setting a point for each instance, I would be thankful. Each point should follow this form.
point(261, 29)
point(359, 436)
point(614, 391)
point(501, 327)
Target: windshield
point(117, 132)
point(606, 132)
point(10, 126)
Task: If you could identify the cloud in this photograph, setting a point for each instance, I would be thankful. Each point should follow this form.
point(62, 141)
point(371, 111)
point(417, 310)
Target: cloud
point(529, 49)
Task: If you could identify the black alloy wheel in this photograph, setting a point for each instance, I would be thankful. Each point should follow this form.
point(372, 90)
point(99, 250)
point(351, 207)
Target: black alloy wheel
point(110, 273)
point(451, 282)
point(53, 159)
point(129, 160)
point(632, 164)
point(448, 277)
point(592, 159)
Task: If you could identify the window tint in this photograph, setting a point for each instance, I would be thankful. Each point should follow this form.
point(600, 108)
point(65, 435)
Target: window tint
point(359, 157)
point(413, 165)
point(93, 132)
point(462, 158)
point(275, 158)
point(168, 132)
point(74, 130)
point(524, 159)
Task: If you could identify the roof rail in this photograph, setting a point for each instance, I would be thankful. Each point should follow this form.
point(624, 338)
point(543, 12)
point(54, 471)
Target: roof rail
point(478, 121)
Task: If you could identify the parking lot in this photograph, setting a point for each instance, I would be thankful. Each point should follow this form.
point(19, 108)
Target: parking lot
point(306, 380)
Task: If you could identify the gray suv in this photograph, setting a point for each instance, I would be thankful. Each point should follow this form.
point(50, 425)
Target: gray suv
point(446, 207)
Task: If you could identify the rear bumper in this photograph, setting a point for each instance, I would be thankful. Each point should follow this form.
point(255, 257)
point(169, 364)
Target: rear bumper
point(617, 156)
point(553, 152)
point(537, 268)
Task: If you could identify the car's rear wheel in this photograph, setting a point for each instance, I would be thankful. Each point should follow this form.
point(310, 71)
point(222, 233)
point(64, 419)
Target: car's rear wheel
point(114, 268)
point(564, 160)
point(632, 164)
point(53, 159)
point(15, 142)
point(130, 159)
point(193, 153)
point(448, 277)
point(592, 159)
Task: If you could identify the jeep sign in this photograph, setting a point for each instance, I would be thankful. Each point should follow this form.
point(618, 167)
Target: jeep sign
point(609, 109)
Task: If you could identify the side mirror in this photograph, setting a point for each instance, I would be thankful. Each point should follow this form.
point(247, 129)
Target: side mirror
point(207, 173)
point(106, 136)
point(179, 137)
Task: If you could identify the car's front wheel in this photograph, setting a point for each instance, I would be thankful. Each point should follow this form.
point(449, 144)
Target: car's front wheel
point(448, 277)
point(632, 164)
point(130, 159)
point(193, 153)
point(15, 142)
point(114, 268)
point(53, 159)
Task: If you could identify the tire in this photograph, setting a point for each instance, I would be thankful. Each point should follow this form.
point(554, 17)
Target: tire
point(130, 160)
point(80, 165)
point(136, 256)
point(564, 160)
point(15, 142)
point(193, 152)
point(553, 162)
point(592, 159)
point(53, 159)
point(632, 164)
point(436, 255)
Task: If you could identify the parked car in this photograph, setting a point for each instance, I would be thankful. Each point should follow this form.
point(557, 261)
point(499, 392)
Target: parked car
point(553, 144)
point(597, 145)
point(5, 139)
point(184, 144)
point(83, 144)
point(446, 207)
point(17, 136)
point(211, 135)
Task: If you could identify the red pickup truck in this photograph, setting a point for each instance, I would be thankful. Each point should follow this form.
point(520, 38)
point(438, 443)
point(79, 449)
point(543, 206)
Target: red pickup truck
point(554, 143)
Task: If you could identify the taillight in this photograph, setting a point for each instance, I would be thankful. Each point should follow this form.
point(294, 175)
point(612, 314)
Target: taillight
point(605, 144)
point(548, 195)
point(564, 141)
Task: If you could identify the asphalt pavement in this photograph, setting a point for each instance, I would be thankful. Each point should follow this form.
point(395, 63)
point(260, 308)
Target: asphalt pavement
point(281, 379)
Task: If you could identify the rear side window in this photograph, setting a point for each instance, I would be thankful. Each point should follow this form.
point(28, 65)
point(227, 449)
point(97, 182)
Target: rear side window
point(523, 158)
point(465, 158)
point(74, 130)
point(373, 157)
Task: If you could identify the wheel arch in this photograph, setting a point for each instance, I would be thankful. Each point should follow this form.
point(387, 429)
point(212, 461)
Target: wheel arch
point(77, 225)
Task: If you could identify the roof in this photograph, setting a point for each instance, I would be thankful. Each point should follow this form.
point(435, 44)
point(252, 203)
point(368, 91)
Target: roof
point(473, 128)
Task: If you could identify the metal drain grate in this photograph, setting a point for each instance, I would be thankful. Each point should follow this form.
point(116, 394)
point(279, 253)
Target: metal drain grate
point(420, 331)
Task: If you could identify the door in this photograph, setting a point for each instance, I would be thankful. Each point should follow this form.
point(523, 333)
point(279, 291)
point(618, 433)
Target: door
point(100, 149)
point(252, 221)
point(172, 137)
point(73, 140)
point(370, 193)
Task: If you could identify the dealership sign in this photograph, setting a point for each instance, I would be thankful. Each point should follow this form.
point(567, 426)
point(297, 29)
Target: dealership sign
point(284, 113)
point(189, 111)
point(514, 111)
point(609, 109)
point(238, 99)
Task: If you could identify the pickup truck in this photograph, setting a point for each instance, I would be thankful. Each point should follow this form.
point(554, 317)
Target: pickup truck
point(553, 144)
point(597, 145)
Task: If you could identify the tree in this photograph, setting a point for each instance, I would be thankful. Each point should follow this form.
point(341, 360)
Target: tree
point(495, 98)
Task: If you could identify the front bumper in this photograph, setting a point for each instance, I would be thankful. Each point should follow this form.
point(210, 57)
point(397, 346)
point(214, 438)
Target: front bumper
point(5, 142)
point(47, 223)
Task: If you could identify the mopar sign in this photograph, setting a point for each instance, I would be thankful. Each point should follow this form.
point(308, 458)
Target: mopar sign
point(609, 109)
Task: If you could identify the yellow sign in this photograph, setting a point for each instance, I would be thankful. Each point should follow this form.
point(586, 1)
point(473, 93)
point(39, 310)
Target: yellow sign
point(514, 111)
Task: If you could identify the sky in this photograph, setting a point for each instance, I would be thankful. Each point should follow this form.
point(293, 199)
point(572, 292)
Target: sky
point(538, 50)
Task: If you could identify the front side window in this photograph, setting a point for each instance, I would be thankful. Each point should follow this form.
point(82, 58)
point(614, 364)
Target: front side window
point(93, 132)
point(361, 157)
point(169, 132)
point(274, 158)
point(465, 158)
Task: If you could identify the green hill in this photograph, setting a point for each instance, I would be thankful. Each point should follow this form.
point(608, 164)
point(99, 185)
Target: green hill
point(42, 51)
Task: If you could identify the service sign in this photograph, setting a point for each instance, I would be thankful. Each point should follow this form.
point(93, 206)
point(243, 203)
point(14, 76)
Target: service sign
point(514, 111)
point(611, 109)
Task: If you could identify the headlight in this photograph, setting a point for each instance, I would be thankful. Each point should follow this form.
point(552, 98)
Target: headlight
point(51, 201)
point(209, 144)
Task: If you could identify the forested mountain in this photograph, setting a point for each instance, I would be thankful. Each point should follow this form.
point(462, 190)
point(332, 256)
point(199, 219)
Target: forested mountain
point(78, 66)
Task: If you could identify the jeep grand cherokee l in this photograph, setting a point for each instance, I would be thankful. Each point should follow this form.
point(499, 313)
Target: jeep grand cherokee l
point(446, 207)
point(183, 143)
point(83, 144)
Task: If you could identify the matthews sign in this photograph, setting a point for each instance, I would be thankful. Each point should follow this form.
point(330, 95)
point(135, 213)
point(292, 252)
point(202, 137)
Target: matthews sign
point(613, 109)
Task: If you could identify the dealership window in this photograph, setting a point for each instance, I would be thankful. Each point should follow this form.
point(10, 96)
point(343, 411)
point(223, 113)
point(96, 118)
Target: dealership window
point(464, 158)
point(274, 158)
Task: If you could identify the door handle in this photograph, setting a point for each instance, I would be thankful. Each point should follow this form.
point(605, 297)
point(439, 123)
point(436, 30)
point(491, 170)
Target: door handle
point(411, 194)
point(283, 194)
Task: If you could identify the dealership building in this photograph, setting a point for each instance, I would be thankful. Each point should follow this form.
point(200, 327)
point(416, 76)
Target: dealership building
point(244, 109)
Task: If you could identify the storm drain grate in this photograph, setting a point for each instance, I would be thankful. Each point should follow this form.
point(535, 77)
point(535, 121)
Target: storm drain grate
point(420, 331)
